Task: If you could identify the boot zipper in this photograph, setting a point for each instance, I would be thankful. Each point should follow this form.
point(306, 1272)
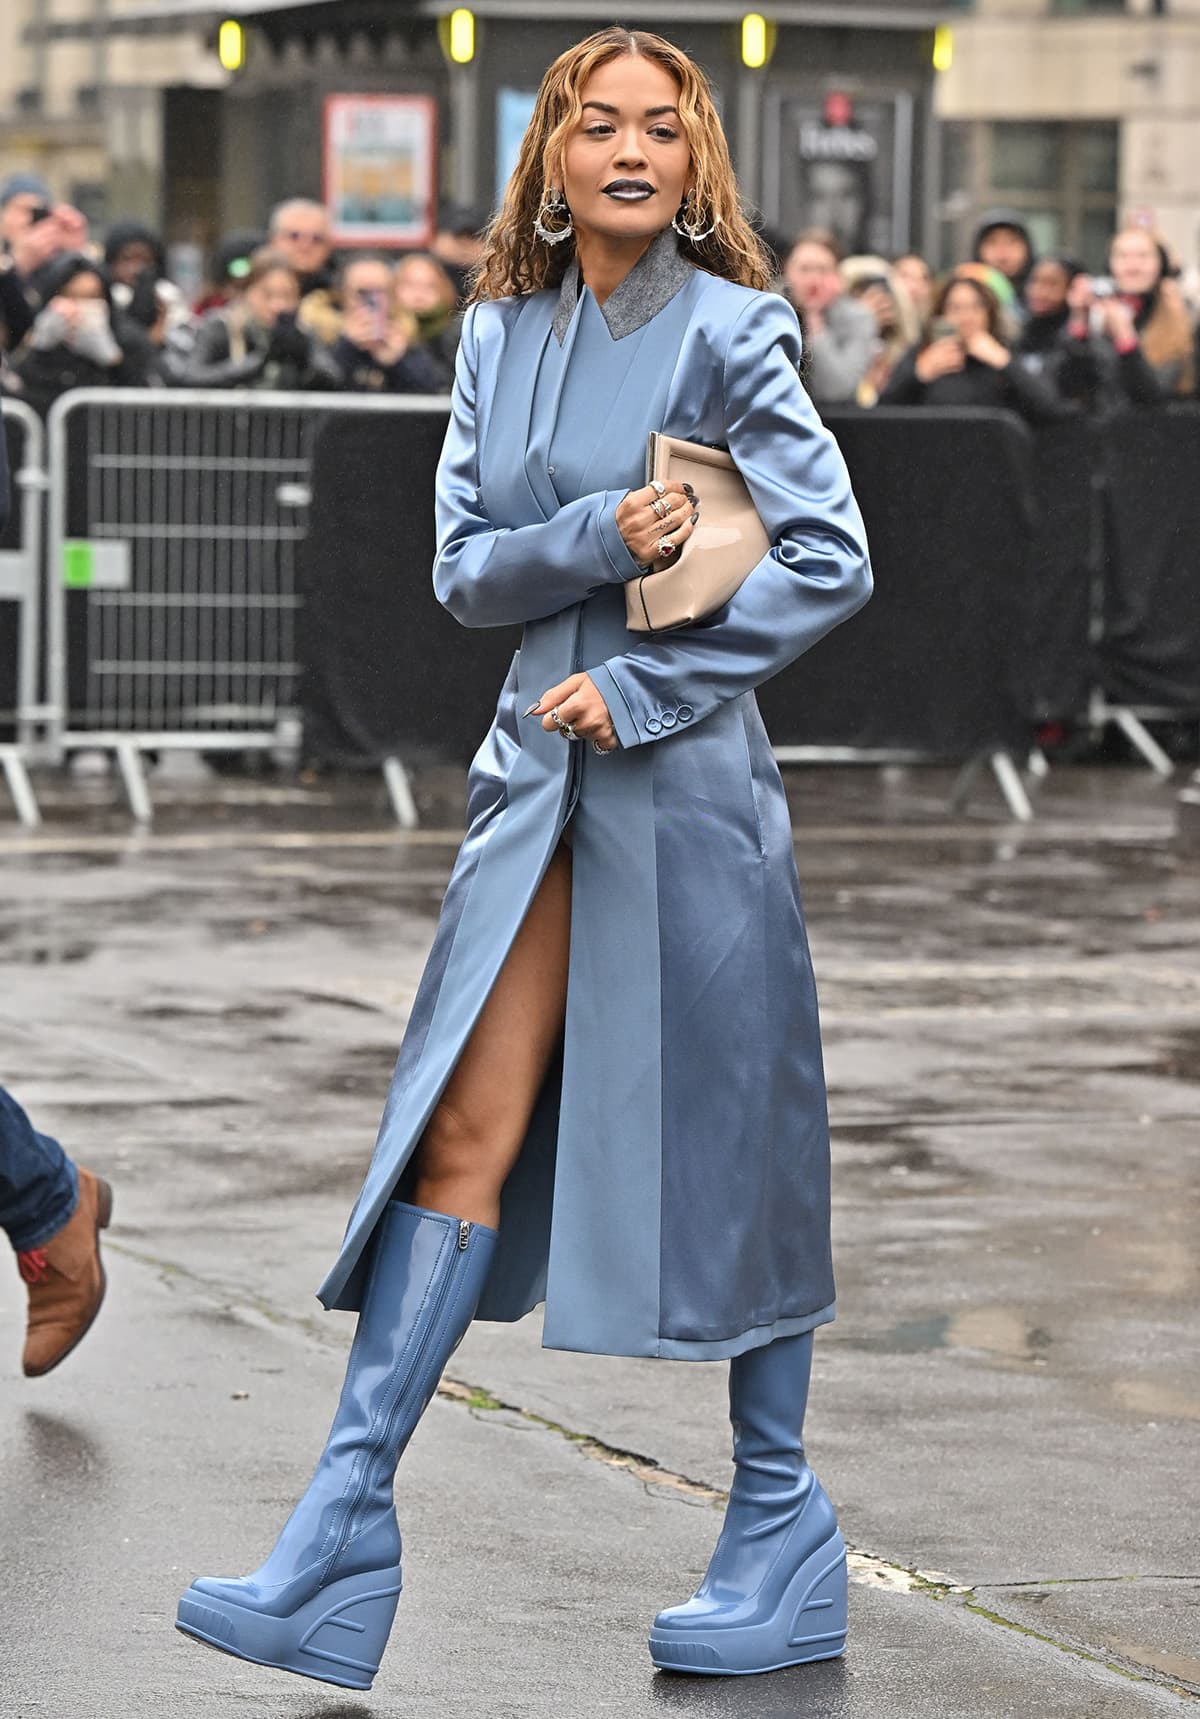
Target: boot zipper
point(364, 1480)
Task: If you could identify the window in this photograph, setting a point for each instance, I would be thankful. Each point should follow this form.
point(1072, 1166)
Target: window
point(1060, 178)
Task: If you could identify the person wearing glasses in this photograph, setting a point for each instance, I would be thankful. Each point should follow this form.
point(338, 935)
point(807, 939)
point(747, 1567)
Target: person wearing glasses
point(299, 231)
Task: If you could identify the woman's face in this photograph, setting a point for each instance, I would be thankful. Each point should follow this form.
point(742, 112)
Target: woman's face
point(811, 276)
point(276, 294)
point(964, 309)
point(1046, 289)
point(1135, 262)
point(420, 287)
point(82, 287)
point(913, 273)
point(627, 166)
point(131, 261)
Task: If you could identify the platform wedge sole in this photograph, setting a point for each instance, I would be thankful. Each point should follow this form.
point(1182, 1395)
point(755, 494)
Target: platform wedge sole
point(808, 1624)
point(336, 1637)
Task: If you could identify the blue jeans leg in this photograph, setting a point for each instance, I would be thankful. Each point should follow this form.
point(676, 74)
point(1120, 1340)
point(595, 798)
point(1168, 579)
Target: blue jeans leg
point(39, 1185)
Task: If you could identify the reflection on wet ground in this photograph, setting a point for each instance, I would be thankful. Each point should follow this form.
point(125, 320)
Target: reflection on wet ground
point(1012, 1039)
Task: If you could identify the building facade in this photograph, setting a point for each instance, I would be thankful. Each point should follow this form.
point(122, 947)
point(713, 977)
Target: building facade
point(1075, 112)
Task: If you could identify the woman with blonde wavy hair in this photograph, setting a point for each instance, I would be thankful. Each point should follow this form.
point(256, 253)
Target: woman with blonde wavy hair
point(609, 1097)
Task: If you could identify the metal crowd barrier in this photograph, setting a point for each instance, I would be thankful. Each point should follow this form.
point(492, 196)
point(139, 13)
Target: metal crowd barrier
point(172, 591)
point(21, 585)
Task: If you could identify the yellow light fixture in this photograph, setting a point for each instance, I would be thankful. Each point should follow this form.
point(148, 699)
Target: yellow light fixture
point(231, 45)
point(462, 36)
point(943, 48)
point(755, 51)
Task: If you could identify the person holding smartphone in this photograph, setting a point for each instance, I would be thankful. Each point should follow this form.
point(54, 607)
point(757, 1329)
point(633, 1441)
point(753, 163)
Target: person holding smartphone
point(1081, 341)
point(964, 360)
point(34, 234)
point(377, 351)
point(73, 342)
point(256, 341)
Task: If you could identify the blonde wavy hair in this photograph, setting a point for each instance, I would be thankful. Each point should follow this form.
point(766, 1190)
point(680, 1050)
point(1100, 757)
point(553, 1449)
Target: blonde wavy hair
point(516, 261)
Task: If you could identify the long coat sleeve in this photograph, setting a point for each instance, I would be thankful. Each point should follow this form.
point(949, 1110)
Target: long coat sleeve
point(488, 575)
point(816, 575)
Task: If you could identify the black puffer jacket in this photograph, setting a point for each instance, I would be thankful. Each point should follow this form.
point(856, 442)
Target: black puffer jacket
point(976, 384)
point(232, 351)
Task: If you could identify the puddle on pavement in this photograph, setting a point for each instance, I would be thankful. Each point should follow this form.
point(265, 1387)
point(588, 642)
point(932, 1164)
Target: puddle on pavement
point(1000, 1332)
point(234, 1012)
point(372, 1064)
point(44, 953)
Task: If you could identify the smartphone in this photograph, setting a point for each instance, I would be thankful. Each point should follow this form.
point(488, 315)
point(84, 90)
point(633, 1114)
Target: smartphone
point(944, 329)
point(286, 319)
point(1102, 286)
point(375, 300)
point(42, 212)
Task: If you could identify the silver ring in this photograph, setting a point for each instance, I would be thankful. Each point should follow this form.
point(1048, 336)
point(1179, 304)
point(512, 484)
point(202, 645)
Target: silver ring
point(602, 750)
point(660, 489)
point(567, 732)
point(665, 546)
point(662, 508)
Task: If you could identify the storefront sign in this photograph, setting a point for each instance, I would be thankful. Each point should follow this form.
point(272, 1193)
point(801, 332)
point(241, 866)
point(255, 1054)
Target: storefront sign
point(840, 163)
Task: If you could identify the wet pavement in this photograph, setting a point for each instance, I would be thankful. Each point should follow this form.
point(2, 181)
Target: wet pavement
point(1006, 1411)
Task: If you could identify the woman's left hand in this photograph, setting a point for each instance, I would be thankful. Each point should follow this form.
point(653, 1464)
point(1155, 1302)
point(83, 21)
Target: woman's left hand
point(577, 701)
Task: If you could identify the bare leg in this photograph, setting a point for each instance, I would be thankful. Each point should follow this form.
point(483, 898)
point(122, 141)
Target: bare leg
point(474, 1137)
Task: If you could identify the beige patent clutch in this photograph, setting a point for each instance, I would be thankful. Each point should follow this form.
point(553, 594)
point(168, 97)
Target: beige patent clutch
point(729, 540)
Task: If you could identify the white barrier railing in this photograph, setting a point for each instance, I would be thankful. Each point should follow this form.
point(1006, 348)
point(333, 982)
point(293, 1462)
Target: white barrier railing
point(20, 585)
point(172, 571)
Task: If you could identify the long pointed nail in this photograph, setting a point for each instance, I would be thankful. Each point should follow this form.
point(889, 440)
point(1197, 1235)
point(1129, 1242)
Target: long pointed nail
point(532, 708)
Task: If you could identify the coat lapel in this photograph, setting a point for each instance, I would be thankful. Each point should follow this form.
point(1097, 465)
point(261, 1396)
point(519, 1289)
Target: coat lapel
point(508, 494)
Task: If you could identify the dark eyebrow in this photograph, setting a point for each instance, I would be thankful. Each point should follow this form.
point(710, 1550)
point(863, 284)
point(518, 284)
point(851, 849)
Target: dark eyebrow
point(651, 112)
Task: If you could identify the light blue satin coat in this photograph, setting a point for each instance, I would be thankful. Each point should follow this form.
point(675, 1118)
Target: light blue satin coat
point(672, 1197)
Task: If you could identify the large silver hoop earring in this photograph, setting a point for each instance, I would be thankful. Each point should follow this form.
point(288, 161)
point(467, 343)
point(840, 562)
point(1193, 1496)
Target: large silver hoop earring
point(686, 221)
point(554, 206)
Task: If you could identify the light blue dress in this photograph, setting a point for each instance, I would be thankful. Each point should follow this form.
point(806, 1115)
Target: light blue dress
point(672, 1196)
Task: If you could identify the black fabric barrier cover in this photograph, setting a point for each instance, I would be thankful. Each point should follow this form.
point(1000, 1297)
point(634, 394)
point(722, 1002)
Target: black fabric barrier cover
point(934, 663)
point(1059, 659)
point(385, 667)
point(1151, 651)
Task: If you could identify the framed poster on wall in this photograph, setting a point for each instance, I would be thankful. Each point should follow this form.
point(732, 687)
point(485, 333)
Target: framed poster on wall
point(842, 162)
point(380, 168)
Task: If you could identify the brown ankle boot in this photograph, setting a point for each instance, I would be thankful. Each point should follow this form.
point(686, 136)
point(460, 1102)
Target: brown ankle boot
point(66, 1280)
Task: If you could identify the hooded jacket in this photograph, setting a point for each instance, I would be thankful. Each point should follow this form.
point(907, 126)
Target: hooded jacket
point(993, 218)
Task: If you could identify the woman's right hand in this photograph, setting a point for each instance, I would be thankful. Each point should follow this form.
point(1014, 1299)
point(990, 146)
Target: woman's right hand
point(643, 526)
point(940, 358)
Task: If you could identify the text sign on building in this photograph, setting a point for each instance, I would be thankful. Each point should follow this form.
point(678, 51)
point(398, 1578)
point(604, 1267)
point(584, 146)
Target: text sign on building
point(840, 163)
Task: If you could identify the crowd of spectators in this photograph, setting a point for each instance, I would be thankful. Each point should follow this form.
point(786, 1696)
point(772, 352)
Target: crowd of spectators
point(281, 311)
point(1040, 336)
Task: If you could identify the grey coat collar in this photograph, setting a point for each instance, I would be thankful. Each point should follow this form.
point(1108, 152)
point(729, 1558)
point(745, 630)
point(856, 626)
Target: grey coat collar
point(649, 287)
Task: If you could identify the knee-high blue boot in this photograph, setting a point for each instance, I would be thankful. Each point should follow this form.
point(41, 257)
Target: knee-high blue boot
point(774, 1593)
point(324, 1601)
